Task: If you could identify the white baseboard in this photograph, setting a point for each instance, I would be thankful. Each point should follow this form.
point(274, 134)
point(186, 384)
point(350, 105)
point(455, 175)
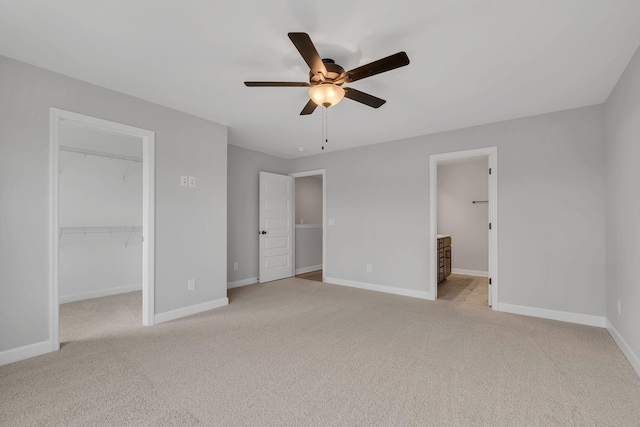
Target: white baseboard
point(380, 288)
point(563, 316)
point(308, 269)
point(25, 352)
point(192, 309)
point(244, 282)
point(100, 293)
point(470, 272)
point(628, 352)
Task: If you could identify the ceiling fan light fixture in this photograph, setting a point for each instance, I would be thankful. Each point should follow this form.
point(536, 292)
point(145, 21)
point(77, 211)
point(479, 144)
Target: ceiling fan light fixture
point(326, 94)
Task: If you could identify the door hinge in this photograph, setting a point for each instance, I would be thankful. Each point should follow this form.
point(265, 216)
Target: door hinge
point(489, 226)
point(489, 280)
point(489, 171)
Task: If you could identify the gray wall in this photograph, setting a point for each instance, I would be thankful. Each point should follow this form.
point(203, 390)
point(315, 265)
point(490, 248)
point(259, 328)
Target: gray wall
point(308, 247)
point(190, 223)
point(242, 228)
point(551, 211)
point(623, 204)
point(309, 200)
point(458, 185)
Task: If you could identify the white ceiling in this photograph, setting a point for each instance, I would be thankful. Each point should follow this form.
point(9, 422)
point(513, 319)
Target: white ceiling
point(472, 61)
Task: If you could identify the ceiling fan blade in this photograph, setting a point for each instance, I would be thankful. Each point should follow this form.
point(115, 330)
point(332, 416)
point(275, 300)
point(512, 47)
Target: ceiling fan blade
point(277, 84)
point(309, 108)
point(363, 98)
point(392, 62)
point(305, 46)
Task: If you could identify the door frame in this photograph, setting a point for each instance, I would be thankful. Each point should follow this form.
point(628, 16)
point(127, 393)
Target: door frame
point(492, 154)
point(58, 116)
point(316, 172)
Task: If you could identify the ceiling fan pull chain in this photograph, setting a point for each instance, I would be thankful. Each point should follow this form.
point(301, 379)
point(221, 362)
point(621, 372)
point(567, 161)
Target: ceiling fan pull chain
point(325, 136)
point(326, 125)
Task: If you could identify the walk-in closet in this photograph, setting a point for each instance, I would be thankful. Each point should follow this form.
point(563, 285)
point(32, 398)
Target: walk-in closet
point(100, 213)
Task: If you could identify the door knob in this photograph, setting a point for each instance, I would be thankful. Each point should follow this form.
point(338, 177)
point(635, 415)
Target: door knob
point(262, 232)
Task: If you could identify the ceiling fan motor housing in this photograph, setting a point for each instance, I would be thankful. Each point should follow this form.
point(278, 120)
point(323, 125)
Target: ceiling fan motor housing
point(333, 72)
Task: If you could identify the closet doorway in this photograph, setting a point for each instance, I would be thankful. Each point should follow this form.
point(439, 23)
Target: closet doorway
point(101, 216)
point(309, 225)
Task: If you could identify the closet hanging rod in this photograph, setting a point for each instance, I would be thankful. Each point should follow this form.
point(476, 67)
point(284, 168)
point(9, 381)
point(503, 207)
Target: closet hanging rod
point(100, 154)
point(105, 229)
point(480, 201)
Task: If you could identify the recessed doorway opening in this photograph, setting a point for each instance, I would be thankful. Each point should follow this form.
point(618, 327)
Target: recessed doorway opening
point(309, 225)
point(278, 255)
point(463, 225)
point(101, 213)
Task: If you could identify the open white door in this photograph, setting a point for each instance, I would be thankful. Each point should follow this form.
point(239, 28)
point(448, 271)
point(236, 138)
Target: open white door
point(275, 227)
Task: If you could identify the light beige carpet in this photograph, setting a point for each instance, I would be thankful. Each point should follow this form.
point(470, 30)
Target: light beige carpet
point(296, 352)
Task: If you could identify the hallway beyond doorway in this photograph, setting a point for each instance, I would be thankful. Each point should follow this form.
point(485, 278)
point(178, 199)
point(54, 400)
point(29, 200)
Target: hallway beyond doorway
point(460, 288)
point(316, 276)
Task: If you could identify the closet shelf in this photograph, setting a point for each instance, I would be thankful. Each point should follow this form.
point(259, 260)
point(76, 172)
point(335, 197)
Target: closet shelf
point(105, 229)
point(100, 154)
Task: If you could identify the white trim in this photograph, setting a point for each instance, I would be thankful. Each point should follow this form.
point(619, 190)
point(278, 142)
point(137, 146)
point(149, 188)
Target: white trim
point(626, 349)
point(192, 309)
point(148, 211)
point(379, 288)
point(308, 269)
point(308, 225)
point(477, 273)
point(100, 293)
point(25, 352)
point(492, 154)
point(148, 228)
point(244, 282)
point(563, 316)
point(308, 173)
point(493, 218)
point(54, 176)
point(295, 175)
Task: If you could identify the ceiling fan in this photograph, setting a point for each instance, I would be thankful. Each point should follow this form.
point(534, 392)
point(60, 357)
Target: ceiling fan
point(326, 77)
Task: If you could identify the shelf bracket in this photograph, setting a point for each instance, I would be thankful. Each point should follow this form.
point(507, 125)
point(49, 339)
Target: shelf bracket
point(129, 238)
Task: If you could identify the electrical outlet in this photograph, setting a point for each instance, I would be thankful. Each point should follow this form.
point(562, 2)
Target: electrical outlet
point(192, 181)
point(619, 310)
point(369, 269)
point(183, 180)
point(235, 265)
point(191, 284)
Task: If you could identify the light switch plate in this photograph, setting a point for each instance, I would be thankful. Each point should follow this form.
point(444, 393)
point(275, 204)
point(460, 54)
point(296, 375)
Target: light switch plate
point(192, 181)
